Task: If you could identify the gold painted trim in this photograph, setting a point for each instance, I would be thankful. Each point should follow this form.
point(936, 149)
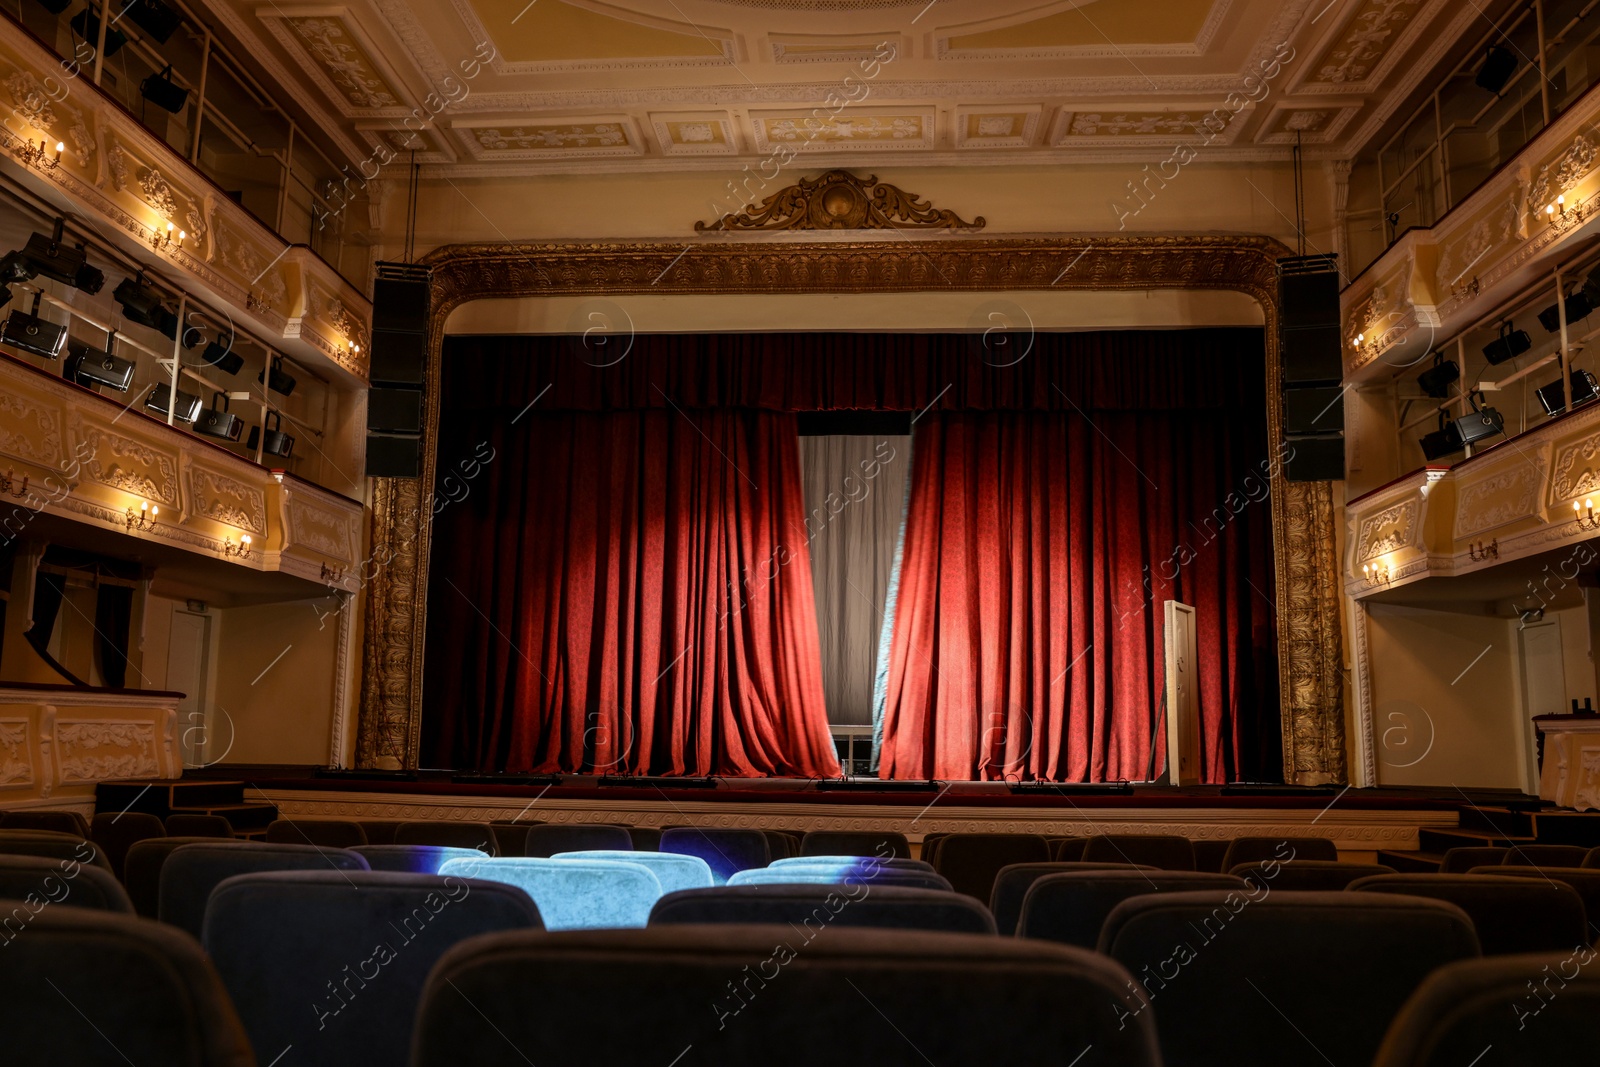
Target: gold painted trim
point(1309, 639)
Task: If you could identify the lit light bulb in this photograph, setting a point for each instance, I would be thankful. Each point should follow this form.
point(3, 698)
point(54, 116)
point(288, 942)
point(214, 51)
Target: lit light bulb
point(154, 512)
point(60, 148)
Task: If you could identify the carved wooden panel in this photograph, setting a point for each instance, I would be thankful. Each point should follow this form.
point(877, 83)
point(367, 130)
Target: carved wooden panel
point(1389, 530)
point(129, 464)
point(1502, 497)
point(1576, 471)
point(30, 430)
point(16, 754)
point(214, 495)
point(332, 533)
point(89, 750)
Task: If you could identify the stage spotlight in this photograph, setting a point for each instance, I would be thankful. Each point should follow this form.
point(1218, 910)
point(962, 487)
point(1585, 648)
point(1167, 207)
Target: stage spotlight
point(1437, 380)
point(1583, 391)
point(186, 410)
point(219, 422)
point(160, 90)
point(31, 333)
point(59, 262)
point(222, 356)
point(86, 24)
point(154, 18)
point(141, 303)
point(1579, 306)
point(276, 379)
point(1498, 66)
point(90, 367)
point(1441, 442)
point(1509, 345)
point(274, 442)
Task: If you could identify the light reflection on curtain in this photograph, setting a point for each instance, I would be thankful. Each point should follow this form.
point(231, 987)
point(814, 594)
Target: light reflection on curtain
point(854, 490)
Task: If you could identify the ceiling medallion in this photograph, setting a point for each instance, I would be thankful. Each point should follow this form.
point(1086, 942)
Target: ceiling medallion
point(839, 200)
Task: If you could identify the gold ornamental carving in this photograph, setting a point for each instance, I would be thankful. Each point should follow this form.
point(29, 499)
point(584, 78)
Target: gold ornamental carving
point(839, 200)
point(1310, 647)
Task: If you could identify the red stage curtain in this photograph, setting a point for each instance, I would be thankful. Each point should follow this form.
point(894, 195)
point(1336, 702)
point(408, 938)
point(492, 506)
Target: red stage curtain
point(1039, 549)
point(628, 592)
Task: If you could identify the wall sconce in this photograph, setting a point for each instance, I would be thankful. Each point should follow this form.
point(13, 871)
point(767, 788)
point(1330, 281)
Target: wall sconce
point(331, 576)
point(1479, 552)
point(1357, 342)
point(1557, 208)
point(9, 489)
point(144, 518)
point(1375, 573)
point(1584, 516)
point(239, 549)
point(160, 240)
point(38, 155)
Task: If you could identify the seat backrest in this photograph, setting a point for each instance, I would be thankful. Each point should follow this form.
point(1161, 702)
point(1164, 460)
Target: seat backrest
point(928, 849)
point(96, 989)
point(1511, 915)
point(538, 991)
point(191, 872)
point(1067, 849)
point(52, 845)
point(572, 894)
point(893, 863)
point(1166, 851)
point(1319, 976)
point(35, 881)
point(328, 833)
point(548, 839)
point(1546, 856)
point(114, 832)
point(141, 872)
point(61, 822)
point(353, 946)
point(478, 835)
point(1209, 853)
point(883, 844)
point(1011, 886)
point(813, 907)
point(672, 870)
point(1584, 880)
point(1069, 907)
point(779, 844)
point(195, 824)
point(1528, 1009)
point(1461, 860)
point(1307, 876)
point(510, 838)
point(970, 862)
point(1592, 857)
point(845, 875)
point(727, 851)
point(1262, 849)
point(412, 859)
point(379, 831)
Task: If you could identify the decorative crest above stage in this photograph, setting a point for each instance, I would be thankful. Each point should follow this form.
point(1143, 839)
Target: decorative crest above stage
point(839, 200)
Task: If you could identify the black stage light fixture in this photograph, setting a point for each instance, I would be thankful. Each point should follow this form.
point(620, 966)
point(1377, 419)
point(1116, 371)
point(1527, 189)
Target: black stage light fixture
point(1437, 379)
point(90, 367)
point(15, 268)
point(1479, 423)
point(274, 442)
point(1441, 442)
point(219, 422)
point(154, 18)
point(1591, 287)
point(186, 410)
point(222, 356)
point(1509, 345)
point(161, 91)
point(276, 378)
point(1498, 66)
point(28, 332)
point(142, 303)
point(60, 262)
point(1583, 391)
point(1579, 307)
point(86, 24)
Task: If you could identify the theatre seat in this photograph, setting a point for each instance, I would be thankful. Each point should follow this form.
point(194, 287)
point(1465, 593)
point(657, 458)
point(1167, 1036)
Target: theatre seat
point(116, 832)
point(1285, 978)
point(328, 833)
point(645, 838)
point(1307, 876)
point(1546, 856)
point(551, 838)
point(478, 835)
point(412, 859)
point(191, 872)
point(1585, 881)
point(1512, 915)
point(1067, 849)
point(817, 906)
point(141, 872)
point(1166, 851)
point(855, 843)
point(673, 871)
point(510, 838)
point(1462, 860)
point(1070, 907)
point(332, 963)
point(1209, 853)
point(572, 894)
point(891, 998)
point(727, 851)
point(929, 848)
point(970, 862)
point(894, 862)
point(61, 822)
point(780, 845)
point(1592, 858)
point(1011, 886)
point(848, 874)
point(379, 831)
point(51, 845)
point(40, 882)
point(94, 989)
point(191, 824)
point(1530, 1009)
point(1263, 849)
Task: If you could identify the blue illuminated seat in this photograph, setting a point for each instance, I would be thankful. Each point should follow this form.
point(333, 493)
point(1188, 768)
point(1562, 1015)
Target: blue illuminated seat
point(727, 851)
point(896, 863)
point(672, 870)
point(572, 894)
point(841, 875)
point(413, 859)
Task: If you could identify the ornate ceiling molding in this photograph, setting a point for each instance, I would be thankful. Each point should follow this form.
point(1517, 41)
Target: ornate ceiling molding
point(839, 200)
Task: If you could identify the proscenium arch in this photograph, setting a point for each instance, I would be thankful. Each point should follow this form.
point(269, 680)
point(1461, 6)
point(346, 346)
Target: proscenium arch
point(1310, 653)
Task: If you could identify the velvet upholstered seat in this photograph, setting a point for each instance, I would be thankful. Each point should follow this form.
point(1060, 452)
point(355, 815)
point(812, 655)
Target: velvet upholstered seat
point(331, 964)
point(1318, 976)
point(548, 839)
point(1011, 887)
point(855, 843)
point(815, 907)
point(328, 833)
point(1070, 907)
point(1585, 881)
point(413, 859)
point(845, 874)
point(970, 862)
point(764, 995)
point(93, 989)
point(61, 822)
point(572, 894)
point(673, 871)
point(1166, 851)
point(191, 872)
point(192, 824)
point(1262, 849)
point(142, 869)
point(36, 881)
point(1307, 876)
point(1512, 915)
point(478, 835)
point(726, 851)
point(114, 832)
point(52, 845)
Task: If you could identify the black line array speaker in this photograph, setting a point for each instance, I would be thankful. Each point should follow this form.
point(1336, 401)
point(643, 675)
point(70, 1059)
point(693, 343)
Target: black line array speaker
point(1311, 368)
point(401, 306)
